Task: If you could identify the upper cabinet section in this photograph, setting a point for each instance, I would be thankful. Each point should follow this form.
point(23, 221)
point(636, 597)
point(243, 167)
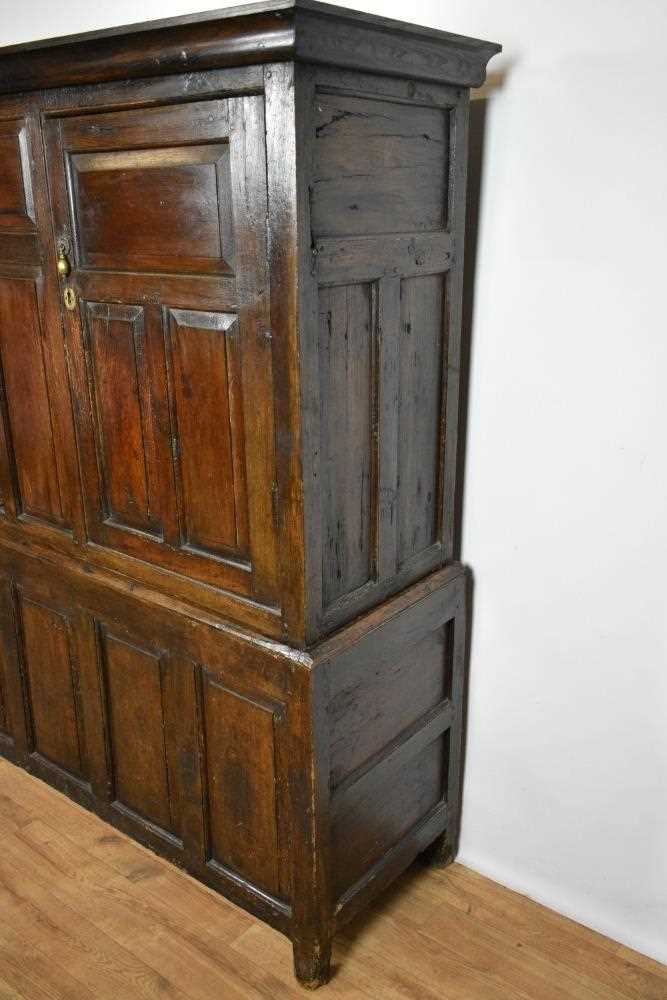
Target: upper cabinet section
point(230, 306)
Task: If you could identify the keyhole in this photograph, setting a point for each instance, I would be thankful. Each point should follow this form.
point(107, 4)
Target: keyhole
point(69, 298)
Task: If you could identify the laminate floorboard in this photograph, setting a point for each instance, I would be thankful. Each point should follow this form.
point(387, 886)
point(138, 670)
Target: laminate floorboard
point(87, 914)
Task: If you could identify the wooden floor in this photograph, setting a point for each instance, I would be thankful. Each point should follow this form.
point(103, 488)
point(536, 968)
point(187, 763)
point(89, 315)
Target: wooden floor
point(86, 913)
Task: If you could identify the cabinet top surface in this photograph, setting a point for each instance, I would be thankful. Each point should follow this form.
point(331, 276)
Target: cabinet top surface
point(272, 30)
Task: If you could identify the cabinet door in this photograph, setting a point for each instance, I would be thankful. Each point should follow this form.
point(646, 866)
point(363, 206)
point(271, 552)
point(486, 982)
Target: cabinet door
point(38, 476)
point(161, 214)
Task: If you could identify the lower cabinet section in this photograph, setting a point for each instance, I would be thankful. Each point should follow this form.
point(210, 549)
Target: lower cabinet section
point(147, 717)
point(296, 783)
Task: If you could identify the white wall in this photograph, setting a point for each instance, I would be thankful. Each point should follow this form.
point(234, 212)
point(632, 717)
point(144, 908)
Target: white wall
point(565, 512)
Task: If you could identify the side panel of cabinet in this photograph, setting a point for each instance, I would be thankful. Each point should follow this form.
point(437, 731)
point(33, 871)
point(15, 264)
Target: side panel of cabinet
point(394, 682)
point(383, 215)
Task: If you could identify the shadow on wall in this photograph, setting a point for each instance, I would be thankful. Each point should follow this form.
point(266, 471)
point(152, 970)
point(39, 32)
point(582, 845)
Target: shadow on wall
point(477, 124)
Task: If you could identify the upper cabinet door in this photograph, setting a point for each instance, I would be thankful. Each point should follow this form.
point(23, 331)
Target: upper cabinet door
point(161, 215)
point(38, 472)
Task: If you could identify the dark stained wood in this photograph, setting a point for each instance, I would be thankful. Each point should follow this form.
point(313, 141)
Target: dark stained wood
point(380, 809)
point(175, 435)
point(229, 618)
point(29, 458)
point(306, 30)
point(369, 709)
point(214, 500)
point(384, 186)
point(133, 681)
point(346, 353)
point(173, 200)
point(419, 414)
point(239, 743)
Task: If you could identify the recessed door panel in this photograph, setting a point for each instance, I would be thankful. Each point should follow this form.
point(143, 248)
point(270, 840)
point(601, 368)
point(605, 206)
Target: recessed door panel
point(17, 210)
point(153, 209)
point(208, 416)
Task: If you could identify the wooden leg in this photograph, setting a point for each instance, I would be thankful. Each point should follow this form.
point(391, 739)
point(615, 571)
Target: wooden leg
point(312, 962)
point(441, 852)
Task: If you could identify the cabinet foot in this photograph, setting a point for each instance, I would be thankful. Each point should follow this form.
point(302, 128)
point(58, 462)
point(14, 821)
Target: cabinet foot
point(312, 963)
point(440, 853)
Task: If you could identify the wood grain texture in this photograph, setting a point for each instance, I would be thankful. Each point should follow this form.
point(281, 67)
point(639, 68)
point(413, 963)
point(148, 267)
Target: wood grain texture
point(188, 485)
point(210, 436)
point(101, 917)
point(382, 168)
point(134, 689)
point(240, 768)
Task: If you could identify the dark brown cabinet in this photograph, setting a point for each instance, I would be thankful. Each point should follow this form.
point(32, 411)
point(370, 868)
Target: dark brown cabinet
point(231, 618)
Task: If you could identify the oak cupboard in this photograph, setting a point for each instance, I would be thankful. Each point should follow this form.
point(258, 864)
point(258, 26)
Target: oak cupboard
point(231, 621)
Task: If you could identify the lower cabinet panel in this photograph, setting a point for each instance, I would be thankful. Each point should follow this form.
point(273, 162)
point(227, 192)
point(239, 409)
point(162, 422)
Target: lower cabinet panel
point(240, 768)
point(138, 716)
point(173, 730)
point(51, 680)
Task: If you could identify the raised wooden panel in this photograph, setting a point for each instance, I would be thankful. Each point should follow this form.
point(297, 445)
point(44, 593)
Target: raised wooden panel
point(379, 166)
point(208, 419)
point(377, 811)
point(420, 434)
point(17, 210)
point(123, 413)
point(241, 784)
point(51, 677)
point(346, 358)
point(30, 470)
point(371, 704)
point(136, 723)
point(163, 209)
